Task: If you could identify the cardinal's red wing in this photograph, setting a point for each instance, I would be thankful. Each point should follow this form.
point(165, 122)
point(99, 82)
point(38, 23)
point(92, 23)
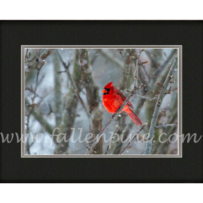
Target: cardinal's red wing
point(122, 96)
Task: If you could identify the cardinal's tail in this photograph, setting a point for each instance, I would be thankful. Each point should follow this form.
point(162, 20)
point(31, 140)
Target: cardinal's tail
point(134, 117)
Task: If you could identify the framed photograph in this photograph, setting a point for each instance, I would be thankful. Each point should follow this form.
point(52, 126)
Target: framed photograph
point(101, 101)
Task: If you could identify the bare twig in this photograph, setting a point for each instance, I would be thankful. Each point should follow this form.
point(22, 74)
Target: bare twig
point(36, 63)
point(38, 58)
point(166, 125)
point(110, 58)
point(115, 131)
point(137, 65)
point(30, 89)
point(95, 56)
point(27, 55)
point(123, 134)
point(143, 63)
point(125, 81)
point(159, 84)
point(171, 90)
point(44, 96)
point(120, 52)
point(133, 138)
point(63, 71)
point(147, 98)
point(34, 92)
point(39, 118)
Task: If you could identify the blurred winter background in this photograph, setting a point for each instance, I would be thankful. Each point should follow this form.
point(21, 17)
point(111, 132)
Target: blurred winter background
point(51, 100)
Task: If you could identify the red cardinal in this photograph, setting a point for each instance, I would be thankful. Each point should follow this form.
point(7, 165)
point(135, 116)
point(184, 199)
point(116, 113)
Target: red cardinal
point(114, 98)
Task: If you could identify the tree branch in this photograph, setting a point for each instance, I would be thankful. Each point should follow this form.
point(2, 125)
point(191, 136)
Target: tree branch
point(57, 90)
point(69, 114)
point(110, 58)
point(92, 96)
point(146, 98)
point(125, 81)
point(133, 138)
point(157, 107)
point(73, 84)
point(115, 131)
point(137, 64)
point(39, 118)
point(166, 125)
point(33, 104)
point(123, 136)
point(36, 63)
point(169, 59)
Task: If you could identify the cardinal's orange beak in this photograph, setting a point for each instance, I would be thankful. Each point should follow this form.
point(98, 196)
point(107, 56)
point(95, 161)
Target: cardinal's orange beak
point(104, 91)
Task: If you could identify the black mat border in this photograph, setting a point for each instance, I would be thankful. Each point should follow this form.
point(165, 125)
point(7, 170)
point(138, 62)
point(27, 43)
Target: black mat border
point(13, 34)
